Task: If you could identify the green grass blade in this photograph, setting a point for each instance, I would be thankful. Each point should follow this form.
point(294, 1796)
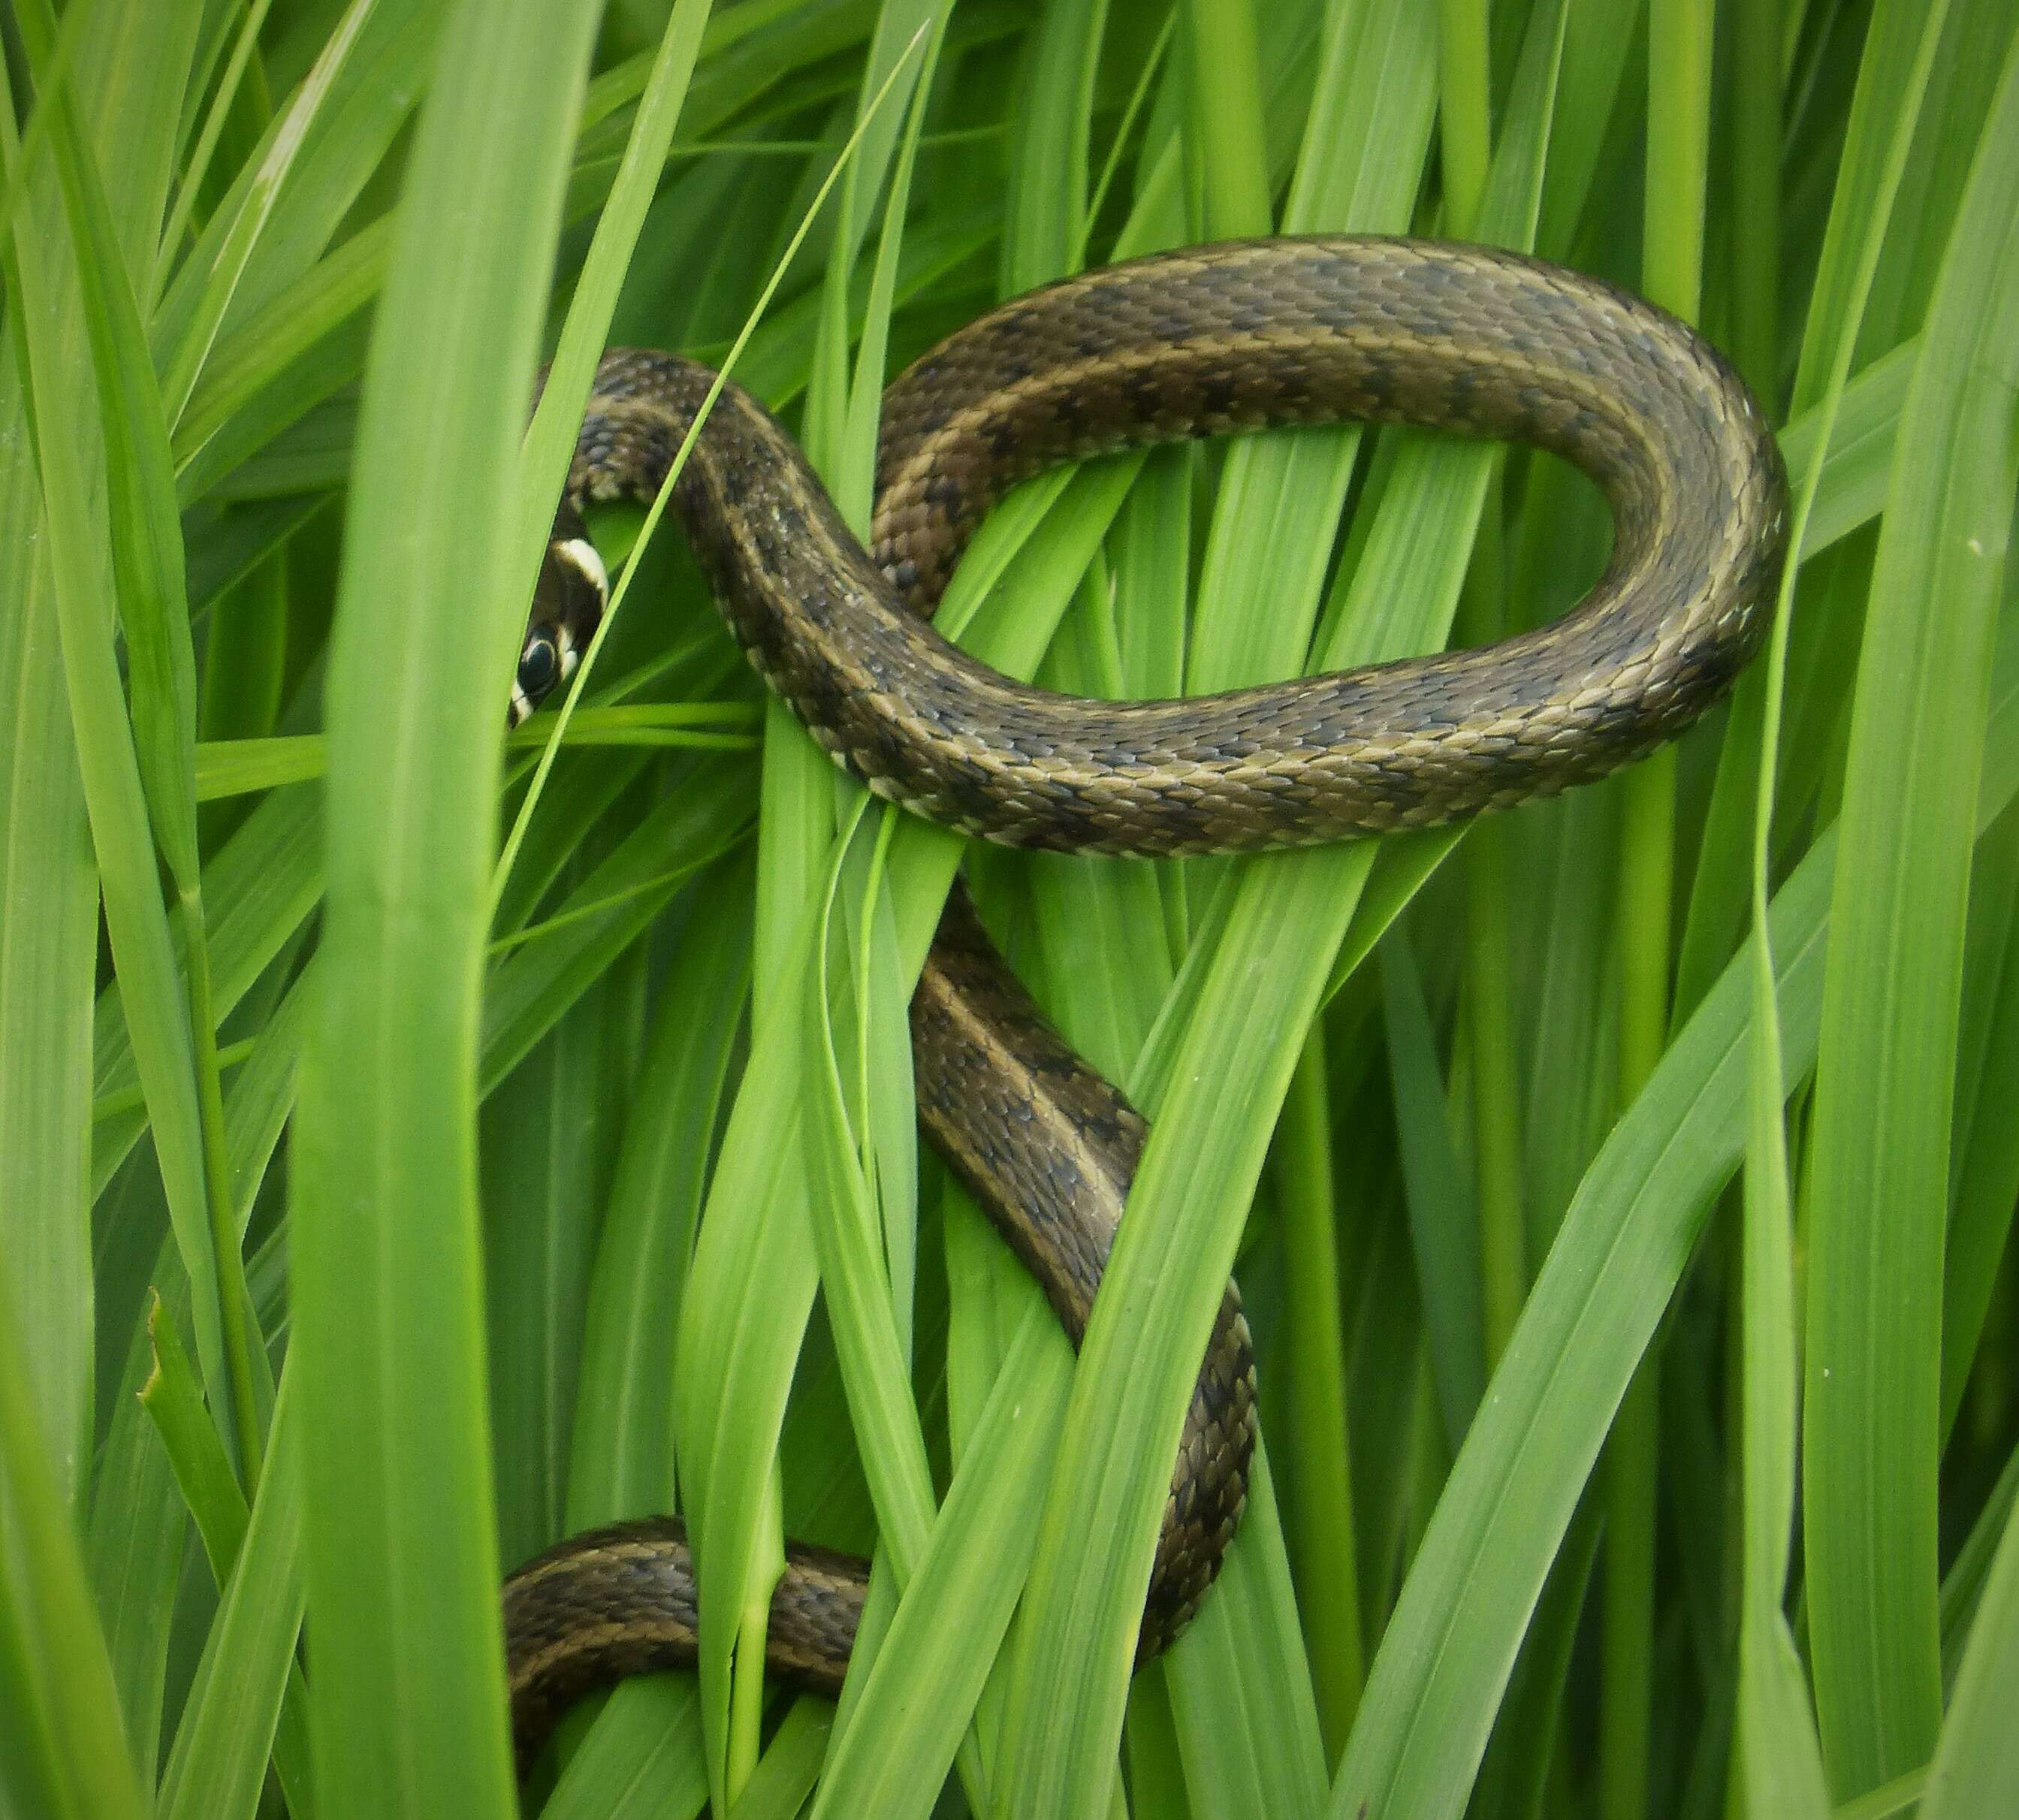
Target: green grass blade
point(345, 138)
point(136, 917)
point(1047, 226)
point(1438, 1677)
point(147, 570)
point(903, 1730)
point(401, 1552)
point(218, 1767)
point(243, 219)
point(754, 1267)
point(1323, 1543)
point(127, 66)
point(1273, 526)
point(1984, 1175)
point(62, 1751)
point(1150, 1325)
point(1623, 1245)
point(648, 1765)
point(147, 562)
point(136, 1544)
point(174, 1402)
point(1443, 1226)
point(1228, 116)
point(1891, 72)
point(1895, 83)
point(1976, 1766)
point(1678, 137)
point(1885, 1069)
point(623, 1434)
point(234, 92)
point(1780, 1754)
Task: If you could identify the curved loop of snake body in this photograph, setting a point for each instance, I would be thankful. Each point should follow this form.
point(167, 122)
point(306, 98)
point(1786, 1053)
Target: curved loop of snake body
point(1195, 343)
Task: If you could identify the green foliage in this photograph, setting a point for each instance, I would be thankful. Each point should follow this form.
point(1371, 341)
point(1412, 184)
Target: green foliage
point(454, 1141)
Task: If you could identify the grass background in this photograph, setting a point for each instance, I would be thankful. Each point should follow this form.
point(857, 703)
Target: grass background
point(415, 1145)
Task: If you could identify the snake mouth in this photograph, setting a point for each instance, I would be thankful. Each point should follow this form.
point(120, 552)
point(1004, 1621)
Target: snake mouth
point(580, 555)
point(568, 604)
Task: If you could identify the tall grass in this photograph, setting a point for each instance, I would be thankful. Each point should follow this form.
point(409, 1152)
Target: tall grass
point(415, 1145)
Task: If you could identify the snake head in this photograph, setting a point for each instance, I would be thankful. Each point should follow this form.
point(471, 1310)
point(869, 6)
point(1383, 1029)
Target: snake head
point(568, 605)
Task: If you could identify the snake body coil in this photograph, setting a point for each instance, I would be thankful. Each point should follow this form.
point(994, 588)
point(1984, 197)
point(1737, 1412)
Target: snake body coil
point(1196, 343)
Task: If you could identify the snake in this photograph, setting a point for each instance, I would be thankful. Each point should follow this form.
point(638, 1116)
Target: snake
point(1199, 342)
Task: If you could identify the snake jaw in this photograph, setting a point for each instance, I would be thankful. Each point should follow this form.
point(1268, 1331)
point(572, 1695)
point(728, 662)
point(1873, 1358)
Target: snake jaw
point(573, 634)
point(568, 604)
point(581, 554)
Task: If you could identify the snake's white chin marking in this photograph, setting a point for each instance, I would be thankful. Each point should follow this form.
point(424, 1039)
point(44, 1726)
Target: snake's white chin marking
point(521, 709)
point(581, 553)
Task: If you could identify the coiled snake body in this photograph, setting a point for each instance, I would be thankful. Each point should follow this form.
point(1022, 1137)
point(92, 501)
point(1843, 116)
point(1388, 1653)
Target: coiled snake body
point(1195, 343)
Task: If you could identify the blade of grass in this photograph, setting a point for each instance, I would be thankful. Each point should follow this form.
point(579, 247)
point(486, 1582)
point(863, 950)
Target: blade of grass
point(1984, 1175)
point(126, 64)
point(174, 1402)
point(653, 1770)
point(1325, 1544)
point(1892, 84)
point(238, 767)
point(1046, 233)
point(136, 1542)
point(623, 1436)
point(1901, 1795)
point(754, 1267)
point(63, 1751)
point(136, 916)
point(1680, 35)
point(1976, 1766)
point(1441, 1221)
point(344, 141)
point(148, 567)
point(1885, 1069)
point(217, 1770)
point(1456, 1629)
point(1780, 1754)
point(245, 218)
point(863, 1156)
point(1092, 1001)
point(1227, 120)
point(401, 1548)
point(137, 1537)
point(910, 1704)
point(1150, 1325)
point(1274, 523)
point(1452, 1641)
point(197, 170)
point(891, 1757)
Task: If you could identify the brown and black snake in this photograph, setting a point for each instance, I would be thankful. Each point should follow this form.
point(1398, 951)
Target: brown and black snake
point(1205, 341)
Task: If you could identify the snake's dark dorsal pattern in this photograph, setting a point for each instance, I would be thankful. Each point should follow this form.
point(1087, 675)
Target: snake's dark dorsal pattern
point(1201, 342)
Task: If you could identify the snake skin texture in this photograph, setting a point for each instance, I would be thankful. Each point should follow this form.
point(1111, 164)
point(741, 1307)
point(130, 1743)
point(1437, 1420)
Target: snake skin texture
point(1205, 341)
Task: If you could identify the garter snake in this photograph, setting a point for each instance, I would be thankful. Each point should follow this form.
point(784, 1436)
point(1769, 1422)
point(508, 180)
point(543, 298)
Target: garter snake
point(1201, 343)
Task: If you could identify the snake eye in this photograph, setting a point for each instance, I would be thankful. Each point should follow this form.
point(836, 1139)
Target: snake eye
point(539, 667)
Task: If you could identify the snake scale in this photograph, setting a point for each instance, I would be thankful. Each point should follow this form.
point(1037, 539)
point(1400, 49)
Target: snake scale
point(1200, 342)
